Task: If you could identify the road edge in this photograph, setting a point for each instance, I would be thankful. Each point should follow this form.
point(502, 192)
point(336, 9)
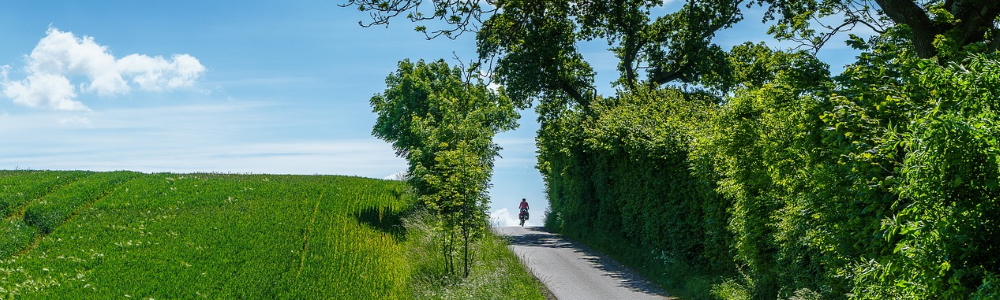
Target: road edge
point(520, 259)
point(608, 260)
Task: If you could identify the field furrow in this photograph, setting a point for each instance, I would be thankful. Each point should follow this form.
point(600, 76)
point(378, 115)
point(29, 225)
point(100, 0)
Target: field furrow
point(118, 235)
point(17, 188)
point(205, 235)
point(305, 236)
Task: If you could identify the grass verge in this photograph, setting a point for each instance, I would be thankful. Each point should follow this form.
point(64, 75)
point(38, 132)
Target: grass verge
point(496, 273)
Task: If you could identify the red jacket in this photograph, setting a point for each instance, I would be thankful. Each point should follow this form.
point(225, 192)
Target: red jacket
point(524, 205)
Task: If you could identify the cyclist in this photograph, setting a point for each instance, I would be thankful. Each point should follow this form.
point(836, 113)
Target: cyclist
point(523, 208)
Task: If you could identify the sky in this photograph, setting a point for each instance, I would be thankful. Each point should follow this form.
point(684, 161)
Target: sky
point(276, 87)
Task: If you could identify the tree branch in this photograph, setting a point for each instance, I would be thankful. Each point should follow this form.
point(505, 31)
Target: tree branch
point(630, 52)
point(923, 29)
point(696, 43)
point(847, 25)
point(975, 16)
point(572, 92)
point(462, 15)
point(663, 78)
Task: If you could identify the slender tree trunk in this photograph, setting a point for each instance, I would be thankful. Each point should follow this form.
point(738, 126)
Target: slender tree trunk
point(444, 250)
point(466, 250)
point(448, 249)
point(451, 253)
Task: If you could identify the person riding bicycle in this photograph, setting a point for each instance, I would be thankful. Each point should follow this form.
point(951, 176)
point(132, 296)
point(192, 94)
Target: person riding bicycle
point(524, 208)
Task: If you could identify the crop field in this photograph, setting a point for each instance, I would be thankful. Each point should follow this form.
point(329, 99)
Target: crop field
point(77, 234)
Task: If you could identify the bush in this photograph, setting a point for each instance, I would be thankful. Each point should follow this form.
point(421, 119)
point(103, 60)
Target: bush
point(878, 187)
point(941, 240)
point(620, 179)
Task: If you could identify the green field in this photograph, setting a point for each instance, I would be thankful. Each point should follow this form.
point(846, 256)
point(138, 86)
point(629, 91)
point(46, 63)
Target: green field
point(74, 234)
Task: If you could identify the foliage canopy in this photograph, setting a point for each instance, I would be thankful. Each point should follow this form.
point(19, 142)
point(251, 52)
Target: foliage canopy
point(444, 126)
point(757, 165)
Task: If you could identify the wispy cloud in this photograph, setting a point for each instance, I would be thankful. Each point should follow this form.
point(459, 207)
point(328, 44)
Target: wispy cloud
point(370, 158)
point(76, 121)
point(61, 56)
point(185, 138)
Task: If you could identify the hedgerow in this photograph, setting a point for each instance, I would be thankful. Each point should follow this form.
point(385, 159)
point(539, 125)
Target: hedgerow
point(794, 183)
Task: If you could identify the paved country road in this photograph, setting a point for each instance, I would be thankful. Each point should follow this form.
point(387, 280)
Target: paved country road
point(572, 271)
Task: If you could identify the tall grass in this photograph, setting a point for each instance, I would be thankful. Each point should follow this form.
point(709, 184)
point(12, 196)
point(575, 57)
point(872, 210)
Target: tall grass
point(496, 272)
point(131, 235)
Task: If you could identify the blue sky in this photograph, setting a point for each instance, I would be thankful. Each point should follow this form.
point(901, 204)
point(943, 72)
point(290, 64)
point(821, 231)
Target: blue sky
point(240, 87)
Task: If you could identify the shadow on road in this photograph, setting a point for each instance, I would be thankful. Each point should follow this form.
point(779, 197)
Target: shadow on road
point(540, 237)
point(627, 278)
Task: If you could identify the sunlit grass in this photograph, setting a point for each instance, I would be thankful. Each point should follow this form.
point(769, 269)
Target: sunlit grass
point(131, 235)
point(496, 272)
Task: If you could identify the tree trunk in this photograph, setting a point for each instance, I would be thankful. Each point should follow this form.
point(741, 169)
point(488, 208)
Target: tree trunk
point(465, 234)
point(975, 19)
point(907, 12)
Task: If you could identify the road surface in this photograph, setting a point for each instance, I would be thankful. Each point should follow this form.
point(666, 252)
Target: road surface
point(572, 271)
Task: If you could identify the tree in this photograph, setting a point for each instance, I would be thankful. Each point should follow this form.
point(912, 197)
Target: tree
point(534, 40)
point(880, 182)
point(443, 123)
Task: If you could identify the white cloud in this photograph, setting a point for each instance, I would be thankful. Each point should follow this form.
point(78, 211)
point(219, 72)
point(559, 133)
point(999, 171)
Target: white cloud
point(46, 90)
point(157, 73)
point(61, 55)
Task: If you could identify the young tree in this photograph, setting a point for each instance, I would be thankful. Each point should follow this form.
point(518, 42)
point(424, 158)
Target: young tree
point(443, 120)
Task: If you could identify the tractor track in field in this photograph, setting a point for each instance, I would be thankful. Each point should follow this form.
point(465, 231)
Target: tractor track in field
point(18, 211)
point(307, 233)
point(76, 211)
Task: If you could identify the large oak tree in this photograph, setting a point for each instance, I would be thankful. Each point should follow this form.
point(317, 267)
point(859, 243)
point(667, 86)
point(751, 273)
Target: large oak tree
point(535, 41)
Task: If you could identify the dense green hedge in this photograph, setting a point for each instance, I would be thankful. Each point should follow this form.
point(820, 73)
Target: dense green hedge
point(880, 183)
